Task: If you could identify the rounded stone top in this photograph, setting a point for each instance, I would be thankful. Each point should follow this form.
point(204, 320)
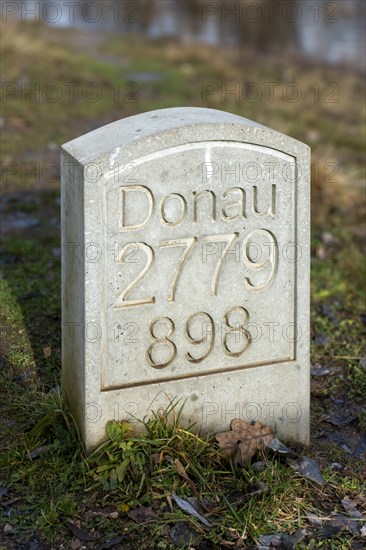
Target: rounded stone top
point(174, 126)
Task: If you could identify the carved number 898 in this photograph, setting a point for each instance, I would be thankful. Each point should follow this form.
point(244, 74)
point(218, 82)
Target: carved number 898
point(167, 330)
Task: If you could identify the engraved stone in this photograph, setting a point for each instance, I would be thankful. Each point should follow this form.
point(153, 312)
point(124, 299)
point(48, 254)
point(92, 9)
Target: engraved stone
point(185, 237)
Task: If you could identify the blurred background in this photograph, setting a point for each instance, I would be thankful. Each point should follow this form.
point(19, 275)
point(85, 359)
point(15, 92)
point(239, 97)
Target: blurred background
point(262, 25)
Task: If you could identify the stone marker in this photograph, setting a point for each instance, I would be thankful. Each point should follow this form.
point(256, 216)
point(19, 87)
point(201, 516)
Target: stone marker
point(185, 237)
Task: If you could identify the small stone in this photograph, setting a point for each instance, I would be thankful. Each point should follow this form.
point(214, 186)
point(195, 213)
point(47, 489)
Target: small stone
point(7, 528)
point(75, 544)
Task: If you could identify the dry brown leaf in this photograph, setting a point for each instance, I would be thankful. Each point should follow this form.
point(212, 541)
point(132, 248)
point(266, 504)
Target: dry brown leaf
point(180, 468)
point(244, 440)
point(158, 458)
point(143, 513)
point(182, 471)
point(47, 351)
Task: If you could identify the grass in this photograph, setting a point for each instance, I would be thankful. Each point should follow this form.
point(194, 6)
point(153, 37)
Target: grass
point(52, 488)
point(140, 471)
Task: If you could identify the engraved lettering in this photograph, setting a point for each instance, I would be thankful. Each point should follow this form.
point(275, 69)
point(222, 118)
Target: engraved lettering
point(176, 198)
point(239, 205)
point(230, 238)
point(209, 336)
point(271, 209)
point(163, 341)
point(188, 244)
point(122, 300)
point(134, 190)
point(236, 328)
point(270, 242)
point(201, 194)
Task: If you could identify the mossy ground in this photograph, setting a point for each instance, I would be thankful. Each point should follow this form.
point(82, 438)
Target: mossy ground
point(47, 491)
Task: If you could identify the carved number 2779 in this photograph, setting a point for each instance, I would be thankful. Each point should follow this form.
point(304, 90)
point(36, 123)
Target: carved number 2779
point(187, 246)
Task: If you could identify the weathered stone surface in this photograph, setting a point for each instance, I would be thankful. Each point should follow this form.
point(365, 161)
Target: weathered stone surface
point(186, 272)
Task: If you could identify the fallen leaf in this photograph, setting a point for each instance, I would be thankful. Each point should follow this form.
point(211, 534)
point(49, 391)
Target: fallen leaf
point(238, 497)
point(319, 370)
point(282, 540)
point(339, 420)
point(157, 458)
point(314, 519)
point(184, 536)
point(258, 466)
point(360, 451)
point(79, 533)
point(189, 509)
point(308, 468)
point(346, 523)
point(38, 451)
point(277, 446)
point(350, 507)
point(340, 440)
point(180, 468)
point(111, 543)
point(142, 514)
point(328, 531)
point(182, 471)
point(244, 439)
